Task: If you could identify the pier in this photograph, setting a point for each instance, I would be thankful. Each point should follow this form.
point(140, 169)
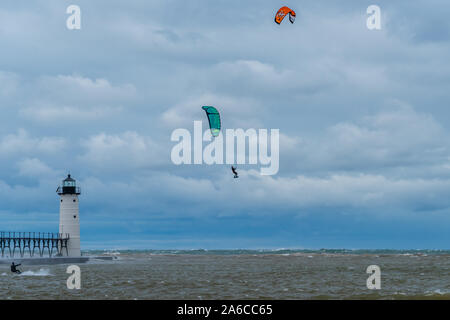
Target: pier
point(30, 241)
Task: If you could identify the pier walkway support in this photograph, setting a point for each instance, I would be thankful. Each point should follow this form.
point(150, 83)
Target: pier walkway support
point(31, 241)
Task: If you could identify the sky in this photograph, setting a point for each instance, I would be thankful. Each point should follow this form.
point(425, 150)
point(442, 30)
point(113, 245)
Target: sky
point(363, 116)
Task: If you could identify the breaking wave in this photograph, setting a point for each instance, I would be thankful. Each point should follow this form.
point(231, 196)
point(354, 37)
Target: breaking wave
point(41, 273)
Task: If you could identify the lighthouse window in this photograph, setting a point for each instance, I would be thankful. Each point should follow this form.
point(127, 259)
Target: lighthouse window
point(61, 200)
point(74, 217)
point(74, 200)
point(68, 183)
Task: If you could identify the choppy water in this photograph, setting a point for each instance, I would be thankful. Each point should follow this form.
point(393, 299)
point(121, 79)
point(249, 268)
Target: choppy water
point(200, 274)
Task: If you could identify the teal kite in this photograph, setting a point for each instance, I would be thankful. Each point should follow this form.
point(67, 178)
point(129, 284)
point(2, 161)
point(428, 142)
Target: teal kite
point(214, 119)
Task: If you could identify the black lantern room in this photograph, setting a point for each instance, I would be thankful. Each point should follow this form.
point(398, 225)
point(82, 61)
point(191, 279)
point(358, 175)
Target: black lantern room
point(69, 186)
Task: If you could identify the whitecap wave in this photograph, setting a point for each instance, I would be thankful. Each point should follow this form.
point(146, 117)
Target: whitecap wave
point(41, 273)
point(437, 291)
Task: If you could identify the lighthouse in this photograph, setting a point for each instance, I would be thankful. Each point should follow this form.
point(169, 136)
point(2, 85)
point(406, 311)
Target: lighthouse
point(69, 220)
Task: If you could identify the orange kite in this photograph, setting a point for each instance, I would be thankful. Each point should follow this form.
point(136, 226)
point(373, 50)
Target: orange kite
point(282, 13)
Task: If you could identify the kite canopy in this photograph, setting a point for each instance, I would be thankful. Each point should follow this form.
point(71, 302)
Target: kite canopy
point(282, 13)
point(213, 119)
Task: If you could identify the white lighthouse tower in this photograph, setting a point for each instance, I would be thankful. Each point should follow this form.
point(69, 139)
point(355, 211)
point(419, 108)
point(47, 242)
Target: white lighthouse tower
point(69, 220)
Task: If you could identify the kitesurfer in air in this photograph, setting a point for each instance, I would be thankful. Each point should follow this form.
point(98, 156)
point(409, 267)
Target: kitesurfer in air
point(234, 172)
point(13, 268)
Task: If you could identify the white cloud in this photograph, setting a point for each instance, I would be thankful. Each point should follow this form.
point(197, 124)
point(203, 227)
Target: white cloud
point(9, 83)
point(126, 151)
point(400, 137)
point(236, 112)
point(34, 168)
point(79, 88)
point(62, 99)
point(22, 142)
point(253, 194)
point(67, 114)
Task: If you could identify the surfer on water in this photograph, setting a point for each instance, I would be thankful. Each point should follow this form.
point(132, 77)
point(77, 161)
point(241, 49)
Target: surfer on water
point(234, 172)
point(13, 268)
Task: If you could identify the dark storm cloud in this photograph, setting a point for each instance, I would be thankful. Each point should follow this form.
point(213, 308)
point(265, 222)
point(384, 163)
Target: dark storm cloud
point(363, 115)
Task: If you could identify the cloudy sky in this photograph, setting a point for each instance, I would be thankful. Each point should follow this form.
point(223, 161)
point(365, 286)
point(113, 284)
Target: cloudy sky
point(364, 121)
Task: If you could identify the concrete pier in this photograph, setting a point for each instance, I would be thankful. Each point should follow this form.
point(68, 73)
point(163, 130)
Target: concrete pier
point(55, 260)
